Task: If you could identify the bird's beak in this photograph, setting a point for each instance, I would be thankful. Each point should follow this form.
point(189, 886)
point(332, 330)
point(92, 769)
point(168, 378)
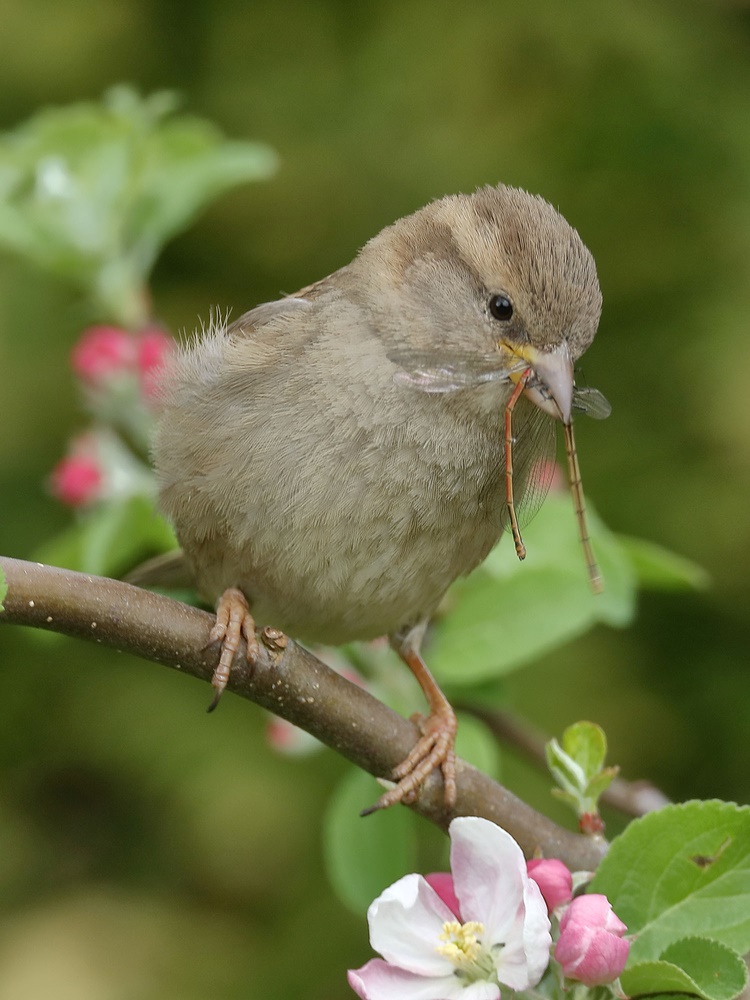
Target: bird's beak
point(552, 390)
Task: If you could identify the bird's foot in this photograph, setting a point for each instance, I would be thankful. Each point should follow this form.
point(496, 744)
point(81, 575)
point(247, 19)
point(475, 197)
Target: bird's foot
point(233, 623)
point(434, 749)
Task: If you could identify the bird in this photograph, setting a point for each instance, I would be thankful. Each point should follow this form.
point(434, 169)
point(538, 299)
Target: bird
point(333, 460)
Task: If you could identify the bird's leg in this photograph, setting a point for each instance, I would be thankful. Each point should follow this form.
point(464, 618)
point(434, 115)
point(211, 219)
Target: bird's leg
point(233, 623)
point(435, 748)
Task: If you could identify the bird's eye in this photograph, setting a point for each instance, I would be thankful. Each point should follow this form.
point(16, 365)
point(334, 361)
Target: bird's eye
point(501, 307)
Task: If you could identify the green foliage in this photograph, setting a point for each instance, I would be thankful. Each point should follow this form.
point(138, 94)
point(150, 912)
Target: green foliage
point(3, 589)
point(660, 569)
point(363, 856)
point(680, 879)
point(697, 966)
point(476, 744)
point(110, 539)
point(91, 192)
point(508, 613)
point(578, 766)
point(586, 744)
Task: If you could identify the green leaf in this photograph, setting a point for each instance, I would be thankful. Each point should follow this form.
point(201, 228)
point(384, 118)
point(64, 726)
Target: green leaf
point(577, 765)
point(3, 590)
point(694, 965)
point(679, 872)
point(364, 855)
point(659, 569)
point(571, 799)
point(586, 743)
point(599, 784)
point(508, 613)
point(93, 191)
point(110, 539)
point(566, 771)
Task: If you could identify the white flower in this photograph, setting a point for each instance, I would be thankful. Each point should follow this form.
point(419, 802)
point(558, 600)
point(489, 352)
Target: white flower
point(501, 937)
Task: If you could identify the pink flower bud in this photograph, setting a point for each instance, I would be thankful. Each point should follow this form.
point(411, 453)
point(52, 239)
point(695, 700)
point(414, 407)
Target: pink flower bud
point(591, 948)
point(595, 910)
point(554, 880)
point(442, 883)
point(154, 348)
point(102, 352)
point(77, 479)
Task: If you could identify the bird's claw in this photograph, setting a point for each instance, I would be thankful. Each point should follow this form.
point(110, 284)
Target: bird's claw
point(233, 623)
point(434, 749)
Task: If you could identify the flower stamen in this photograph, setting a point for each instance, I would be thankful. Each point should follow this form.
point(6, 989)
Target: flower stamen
point(463, 942)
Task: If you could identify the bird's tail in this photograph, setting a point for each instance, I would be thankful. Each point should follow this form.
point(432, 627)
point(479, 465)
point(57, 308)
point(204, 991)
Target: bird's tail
point(170, 569)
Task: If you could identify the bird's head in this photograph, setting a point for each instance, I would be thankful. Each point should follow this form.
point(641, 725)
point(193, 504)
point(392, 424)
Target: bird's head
point(495, 274)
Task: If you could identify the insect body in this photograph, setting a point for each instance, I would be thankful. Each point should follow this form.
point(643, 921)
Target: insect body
point(454, 372)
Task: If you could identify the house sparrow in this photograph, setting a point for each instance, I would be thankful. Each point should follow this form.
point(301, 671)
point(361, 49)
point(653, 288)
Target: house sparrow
point(334, 460)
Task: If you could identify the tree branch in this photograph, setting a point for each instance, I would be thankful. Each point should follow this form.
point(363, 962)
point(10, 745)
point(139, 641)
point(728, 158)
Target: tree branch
point(285, 679)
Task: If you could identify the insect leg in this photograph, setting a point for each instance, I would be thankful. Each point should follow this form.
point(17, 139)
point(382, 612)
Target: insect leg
point(515, 396)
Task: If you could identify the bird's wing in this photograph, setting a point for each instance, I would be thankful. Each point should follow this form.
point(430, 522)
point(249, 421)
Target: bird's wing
point(278, 331)
point(268, 312)
point(259, 341)
point(288, 310)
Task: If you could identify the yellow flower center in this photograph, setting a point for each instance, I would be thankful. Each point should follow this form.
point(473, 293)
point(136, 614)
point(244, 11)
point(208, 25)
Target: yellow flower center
point(462, 942)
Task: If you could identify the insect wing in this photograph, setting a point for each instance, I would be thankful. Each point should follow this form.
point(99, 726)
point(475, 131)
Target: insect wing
point(432, 372)
point(591, 402)
point(534, 445)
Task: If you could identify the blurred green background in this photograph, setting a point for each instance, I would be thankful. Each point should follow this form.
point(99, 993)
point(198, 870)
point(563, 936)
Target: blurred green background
point(147, 850)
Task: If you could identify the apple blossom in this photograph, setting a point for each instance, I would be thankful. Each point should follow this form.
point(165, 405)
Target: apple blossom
point(154, 348)
point(99, 466)
point(553, 878)
point(442, 883)
point(502, 936)
point(108, 358)
point(77, 478)
point(101, 353)
point(591, 948)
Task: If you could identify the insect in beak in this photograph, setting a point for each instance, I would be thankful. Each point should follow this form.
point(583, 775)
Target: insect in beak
point(546, 379)
point(548, 383)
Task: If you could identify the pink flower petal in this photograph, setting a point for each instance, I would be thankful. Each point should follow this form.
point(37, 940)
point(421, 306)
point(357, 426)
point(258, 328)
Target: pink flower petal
point(536, 940)
point(594, 910)
point(487, 866)
point(553, 878)
point(591, 955)
point(481, 991)
point(101, 352)
point(493, 887)
point(405, 926)
point(378, 980)
point(154, 346)
point(442, 883)
point(154, 349)
point(77, 479)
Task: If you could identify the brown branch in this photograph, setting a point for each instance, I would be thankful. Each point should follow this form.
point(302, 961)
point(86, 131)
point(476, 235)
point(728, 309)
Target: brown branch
point(634, 798)
point(286, 679)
